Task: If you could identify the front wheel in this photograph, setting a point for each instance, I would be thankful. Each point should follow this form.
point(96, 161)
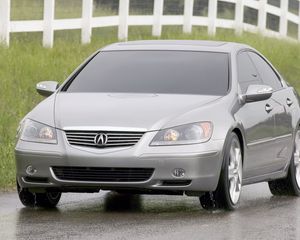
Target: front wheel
point(44, 200)
point(291, 184)
point(228, 192)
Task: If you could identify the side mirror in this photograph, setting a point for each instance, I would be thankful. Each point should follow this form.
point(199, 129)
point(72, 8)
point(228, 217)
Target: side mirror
point(257, 93)
point(46, 88)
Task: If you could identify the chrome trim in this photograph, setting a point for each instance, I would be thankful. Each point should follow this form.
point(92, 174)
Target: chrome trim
point(104, 128)
point(36, 183)
point(284, 136)
point(179, 155)
point(268, 140)
point(102, 139)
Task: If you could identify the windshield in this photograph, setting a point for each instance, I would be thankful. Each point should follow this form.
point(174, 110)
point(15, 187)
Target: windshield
point(169, 72)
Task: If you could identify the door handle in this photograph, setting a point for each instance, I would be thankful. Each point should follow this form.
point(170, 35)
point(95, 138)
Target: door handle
point(289, 102)
point(268, 108)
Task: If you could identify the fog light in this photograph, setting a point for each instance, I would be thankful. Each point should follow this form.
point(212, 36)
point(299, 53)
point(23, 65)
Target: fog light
point(30, 170)
point(178, 172)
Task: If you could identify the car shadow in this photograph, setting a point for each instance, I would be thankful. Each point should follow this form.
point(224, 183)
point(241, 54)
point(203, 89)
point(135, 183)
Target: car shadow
point(116, 202)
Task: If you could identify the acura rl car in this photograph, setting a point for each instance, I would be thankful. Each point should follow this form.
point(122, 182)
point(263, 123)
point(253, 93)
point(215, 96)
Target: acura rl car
point(199, 118)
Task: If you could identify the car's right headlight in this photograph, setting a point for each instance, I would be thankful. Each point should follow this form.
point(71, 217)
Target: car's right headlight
point(33, 131)
point(193, 133)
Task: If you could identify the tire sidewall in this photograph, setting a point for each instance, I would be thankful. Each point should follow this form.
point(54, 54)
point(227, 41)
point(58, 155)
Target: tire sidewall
point(224, 181)
point(53, 197)
point(292, 175)
point(26, 197)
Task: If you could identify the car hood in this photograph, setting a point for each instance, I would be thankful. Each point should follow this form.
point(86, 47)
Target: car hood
point(146, 112)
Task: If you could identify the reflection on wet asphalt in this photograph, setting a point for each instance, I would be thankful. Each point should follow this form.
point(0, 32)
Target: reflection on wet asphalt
point(109, 215)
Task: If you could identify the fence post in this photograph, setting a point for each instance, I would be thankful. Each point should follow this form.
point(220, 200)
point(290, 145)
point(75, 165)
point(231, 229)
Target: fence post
point(4, 21)
point(87, 14)
point(262, 16)
point(157, 15)
point(239, 17)
point(123, 19)
point(212, 16)
point(284, 5)
point(299, 23)
point(188, 15)
point(48, 34)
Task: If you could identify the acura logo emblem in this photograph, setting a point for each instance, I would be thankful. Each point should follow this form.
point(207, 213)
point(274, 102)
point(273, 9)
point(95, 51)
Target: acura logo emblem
point(100, 139)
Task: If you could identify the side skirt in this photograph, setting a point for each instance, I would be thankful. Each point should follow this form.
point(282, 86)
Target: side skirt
point(266, 177)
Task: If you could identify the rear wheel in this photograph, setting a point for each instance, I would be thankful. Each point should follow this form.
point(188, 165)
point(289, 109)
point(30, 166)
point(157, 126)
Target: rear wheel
point(228, 192)
point(291, 184)
point(45, 200)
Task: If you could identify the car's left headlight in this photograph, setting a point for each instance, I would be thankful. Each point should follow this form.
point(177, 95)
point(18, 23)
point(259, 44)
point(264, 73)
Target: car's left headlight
point(33, 131)
point(185, 134)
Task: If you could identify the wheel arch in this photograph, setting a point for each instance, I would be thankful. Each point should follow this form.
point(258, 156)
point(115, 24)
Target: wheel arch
point(239, 134)
point(238, 130)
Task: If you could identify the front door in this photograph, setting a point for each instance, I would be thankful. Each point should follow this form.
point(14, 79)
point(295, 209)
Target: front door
point(258, 120)
point(282, 96)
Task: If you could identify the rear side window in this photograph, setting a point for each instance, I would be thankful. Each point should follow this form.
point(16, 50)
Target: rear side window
point(267, 74)
point(247, 73)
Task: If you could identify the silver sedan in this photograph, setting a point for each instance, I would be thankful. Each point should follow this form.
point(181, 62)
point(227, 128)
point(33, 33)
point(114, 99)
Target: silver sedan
point(200, 118)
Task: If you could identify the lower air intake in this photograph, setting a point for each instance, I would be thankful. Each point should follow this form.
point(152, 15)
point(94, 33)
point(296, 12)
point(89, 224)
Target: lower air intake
point(103, 174)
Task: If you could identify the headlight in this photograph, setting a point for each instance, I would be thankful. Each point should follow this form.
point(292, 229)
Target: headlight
point(32, 131)
point(185, 134)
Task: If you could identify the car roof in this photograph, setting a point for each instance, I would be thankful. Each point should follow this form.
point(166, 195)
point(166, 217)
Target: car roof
point(177, 45)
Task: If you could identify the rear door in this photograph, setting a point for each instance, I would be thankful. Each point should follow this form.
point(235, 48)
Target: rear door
point(282, 110)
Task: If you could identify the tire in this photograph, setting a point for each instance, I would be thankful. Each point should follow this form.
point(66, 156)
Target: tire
point(227, 194)
point(27, 198)
point(44, 200)
point(47, 199)
point(290, 185)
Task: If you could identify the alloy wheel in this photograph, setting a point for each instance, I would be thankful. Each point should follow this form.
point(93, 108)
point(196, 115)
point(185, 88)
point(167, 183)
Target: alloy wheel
point(235, 171)
point(297, 158)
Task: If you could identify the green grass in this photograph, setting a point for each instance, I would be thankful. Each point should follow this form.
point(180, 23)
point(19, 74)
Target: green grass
point(26, 62)
point(34, 9)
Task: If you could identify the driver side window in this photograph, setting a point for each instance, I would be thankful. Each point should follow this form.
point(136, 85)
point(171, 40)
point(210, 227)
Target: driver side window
point(247, 73)
point(269, 77)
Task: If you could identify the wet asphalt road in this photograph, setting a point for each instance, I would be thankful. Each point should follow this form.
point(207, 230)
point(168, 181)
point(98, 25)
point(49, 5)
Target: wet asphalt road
point(110, 216)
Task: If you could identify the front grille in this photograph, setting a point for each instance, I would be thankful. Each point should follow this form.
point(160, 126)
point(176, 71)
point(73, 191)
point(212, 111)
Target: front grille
point(113, 139)
point(103, 174)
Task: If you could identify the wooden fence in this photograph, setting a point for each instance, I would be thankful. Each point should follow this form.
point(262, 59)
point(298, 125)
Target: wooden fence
point(49, 24)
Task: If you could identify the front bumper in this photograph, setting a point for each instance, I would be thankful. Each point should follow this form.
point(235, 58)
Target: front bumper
point(201, 162)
